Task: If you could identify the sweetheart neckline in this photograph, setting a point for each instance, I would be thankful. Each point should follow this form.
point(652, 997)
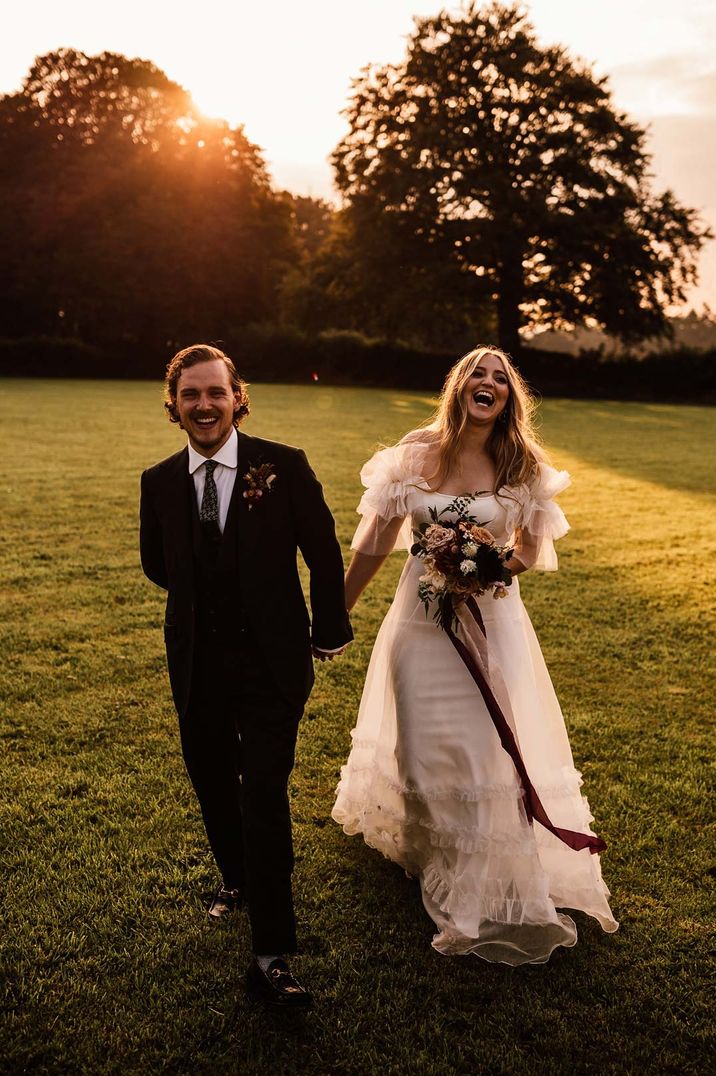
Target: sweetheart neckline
point(471, 496)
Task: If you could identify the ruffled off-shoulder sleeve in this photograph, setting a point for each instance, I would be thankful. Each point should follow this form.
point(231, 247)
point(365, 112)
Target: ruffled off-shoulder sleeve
point(537, 520)
point(391, 477)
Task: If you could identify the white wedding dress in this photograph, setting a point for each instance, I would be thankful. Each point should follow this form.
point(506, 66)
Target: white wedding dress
point(427, 781)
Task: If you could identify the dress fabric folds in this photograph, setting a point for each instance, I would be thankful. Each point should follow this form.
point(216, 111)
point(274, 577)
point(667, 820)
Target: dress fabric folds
point(427, 782)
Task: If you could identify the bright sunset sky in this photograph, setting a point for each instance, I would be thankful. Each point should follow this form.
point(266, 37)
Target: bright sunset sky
point(283, 70)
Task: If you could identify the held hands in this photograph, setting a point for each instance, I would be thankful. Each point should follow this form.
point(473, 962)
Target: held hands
point(327, 655)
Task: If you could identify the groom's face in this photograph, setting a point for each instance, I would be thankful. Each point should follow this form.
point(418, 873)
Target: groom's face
point(206, 404)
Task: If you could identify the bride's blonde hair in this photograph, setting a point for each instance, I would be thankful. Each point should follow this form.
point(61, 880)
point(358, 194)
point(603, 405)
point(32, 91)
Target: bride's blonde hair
point(514, 444)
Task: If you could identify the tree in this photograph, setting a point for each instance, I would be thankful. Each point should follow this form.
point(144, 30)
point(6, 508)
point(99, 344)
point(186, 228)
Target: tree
point(127, 216)
point(508, 161)
point(339, 282)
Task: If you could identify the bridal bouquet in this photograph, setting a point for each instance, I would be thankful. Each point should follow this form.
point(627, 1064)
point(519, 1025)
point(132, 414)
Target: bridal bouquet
point(461, 559)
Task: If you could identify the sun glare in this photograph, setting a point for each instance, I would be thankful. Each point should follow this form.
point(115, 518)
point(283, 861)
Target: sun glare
point(212, 101)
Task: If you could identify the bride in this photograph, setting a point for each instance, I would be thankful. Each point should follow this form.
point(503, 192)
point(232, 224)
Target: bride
point(498, 836)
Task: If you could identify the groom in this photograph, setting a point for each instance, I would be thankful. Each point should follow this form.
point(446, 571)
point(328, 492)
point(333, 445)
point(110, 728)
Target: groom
point(220, 525)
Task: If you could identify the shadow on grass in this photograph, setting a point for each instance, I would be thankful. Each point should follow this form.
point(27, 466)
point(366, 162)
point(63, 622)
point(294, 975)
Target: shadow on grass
point(673, 446)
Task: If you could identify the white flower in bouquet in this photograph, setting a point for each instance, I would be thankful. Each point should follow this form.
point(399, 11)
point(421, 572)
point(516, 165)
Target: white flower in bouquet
point(434, 580)
point(469, 549)
point(467, 567)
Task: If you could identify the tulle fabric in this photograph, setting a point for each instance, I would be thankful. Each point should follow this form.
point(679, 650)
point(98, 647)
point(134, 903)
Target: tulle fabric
point(534, 519)
point(393, 479)
point(427, 782)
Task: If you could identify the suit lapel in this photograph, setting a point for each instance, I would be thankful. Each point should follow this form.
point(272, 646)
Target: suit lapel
point(180, 490)
point(248, 522)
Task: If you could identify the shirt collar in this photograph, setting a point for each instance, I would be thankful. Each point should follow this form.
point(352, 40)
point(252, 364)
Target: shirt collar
point(228, 454)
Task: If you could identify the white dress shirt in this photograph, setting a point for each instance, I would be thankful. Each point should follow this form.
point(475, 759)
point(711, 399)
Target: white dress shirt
point(224, 475)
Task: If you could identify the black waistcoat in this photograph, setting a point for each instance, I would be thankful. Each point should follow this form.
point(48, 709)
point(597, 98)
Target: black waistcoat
point(218, 607)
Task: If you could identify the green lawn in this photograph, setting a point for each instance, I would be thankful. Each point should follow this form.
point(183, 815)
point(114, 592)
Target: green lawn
point(107, 963)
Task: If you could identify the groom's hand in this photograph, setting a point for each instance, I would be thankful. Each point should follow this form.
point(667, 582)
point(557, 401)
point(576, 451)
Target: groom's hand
point(327, 655)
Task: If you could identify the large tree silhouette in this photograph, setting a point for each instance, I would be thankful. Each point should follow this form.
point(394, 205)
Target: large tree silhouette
point(508, 161)
point(127, 216)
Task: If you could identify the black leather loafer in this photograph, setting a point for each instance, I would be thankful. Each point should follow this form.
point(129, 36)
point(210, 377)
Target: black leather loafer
point(225, 902)
point(276, 986)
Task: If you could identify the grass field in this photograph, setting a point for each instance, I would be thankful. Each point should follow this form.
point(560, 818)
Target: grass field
point(107, 963)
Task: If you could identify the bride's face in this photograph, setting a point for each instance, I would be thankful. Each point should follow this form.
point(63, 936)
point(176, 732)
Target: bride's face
point(487, 391)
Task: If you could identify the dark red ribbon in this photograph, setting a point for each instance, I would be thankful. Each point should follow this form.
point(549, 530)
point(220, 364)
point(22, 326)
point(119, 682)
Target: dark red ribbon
point(532, 802)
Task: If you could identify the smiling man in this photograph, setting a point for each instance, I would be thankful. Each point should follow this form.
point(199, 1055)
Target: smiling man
point(221, 522)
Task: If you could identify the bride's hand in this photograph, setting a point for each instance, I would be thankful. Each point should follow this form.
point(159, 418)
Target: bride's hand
point(325, 655)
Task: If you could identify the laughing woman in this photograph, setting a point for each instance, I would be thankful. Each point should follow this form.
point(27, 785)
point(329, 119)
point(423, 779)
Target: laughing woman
point(460, 769)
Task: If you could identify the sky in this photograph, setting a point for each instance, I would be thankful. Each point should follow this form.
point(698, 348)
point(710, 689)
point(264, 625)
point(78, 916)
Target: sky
point(284, 71)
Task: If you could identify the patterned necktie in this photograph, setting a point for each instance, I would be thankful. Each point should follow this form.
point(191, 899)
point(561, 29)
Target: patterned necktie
point(209, 511)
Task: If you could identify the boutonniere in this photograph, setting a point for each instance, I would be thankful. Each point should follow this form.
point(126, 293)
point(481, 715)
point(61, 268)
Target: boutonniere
point(259, 481)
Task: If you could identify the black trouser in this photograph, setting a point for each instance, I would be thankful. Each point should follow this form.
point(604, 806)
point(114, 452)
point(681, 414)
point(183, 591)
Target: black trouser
point(238, 739)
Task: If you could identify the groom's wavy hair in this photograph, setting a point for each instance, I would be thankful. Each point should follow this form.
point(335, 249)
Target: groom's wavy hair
point(514, 444)
point(192, 356)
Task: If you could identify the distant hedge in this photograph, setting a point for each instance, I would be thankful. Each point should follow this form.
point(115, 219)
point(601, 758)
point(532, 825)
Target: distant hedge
point(270, 353)
point(46, 356)
point(679, 376)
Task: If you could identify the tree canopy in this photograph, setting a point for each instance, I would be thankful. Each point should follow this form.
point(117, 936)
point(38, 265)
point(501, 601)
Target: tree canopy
point(127, 215)
point(507, 165)
point(488, 182)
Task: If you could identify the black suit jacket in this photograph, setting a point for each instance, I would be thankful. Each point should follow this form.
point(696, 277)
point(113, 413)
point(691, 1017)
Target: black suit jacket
point(292, 516)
